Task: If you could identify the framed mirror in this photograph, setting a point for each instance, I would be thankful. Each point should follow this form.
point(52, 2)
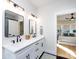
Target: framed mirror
point(14, 24)
point(32, 27)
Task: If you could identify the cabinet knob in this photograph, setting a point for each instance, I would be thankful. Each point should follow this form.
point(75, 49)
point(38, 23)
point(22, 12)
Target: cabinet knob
point(42, 44)
point(37, 57)
point(36, 43)
point(28, 56)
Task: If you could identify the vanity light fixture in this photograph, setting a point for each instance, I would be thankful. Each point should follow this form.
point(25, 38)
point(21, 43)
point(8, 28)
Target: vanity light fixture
point(33, 15)
point(16, 5)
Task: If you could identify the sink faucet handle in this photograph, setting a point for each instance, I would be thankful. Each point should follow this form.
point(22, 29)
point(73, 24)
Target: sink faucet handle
point(17, 38)
point(20, 39)
point(13, 41)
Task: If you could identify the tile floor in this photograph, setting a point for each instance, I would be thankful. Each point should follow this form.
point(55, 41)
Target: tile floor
point(48, 56)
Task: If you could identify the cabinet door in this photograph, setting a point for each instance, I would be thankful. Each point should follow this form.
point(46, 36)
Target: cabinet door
point(42, 44)
point(28, 54)
point(24, 55)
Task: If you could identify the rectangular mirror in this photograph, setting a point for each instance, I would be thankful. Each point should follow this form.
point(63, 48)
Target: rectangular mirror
point(32, 27)
point(14, 24)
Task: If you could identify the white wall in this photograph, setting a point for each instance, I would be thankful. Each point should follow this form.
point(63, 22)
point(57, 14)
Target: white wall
point(47, 15)
point(28, 9)
point(1, 8)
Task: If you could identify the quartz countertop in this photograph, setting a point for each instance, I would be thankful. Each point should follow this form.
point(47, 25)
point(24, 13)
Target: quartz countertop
point(7, 44)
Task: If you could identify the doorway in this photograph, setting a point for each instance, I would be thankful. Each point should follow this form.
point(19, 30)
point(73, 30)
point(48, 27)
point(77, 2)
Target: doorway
point(66, 35)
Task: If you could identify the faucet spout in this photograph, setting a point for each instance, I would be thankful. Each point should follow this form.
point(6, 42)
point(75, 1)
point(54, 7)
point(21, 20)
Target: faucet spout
point(18, 38)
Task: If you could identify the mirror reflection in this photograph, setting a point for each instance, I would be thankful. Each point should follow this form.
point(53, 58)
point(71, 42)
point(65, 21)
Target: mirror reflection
point(13, 24)
point(32, 27)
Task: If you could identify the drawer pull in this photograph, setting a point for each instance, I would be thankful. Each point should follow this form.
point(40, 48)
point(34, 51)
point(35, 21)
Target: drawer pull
point(42, 44)
point(36, 43)
point(28, 56)
point(37, 57)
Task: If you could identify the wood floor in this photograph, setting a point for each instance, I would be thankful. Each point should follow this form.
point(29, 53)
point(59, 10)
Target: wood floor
point(61, 52)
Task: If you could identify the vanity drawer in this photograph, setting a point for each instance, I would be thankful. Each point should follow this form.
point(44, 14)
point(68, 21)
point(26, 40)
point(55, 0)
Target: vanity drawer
point(40, 44)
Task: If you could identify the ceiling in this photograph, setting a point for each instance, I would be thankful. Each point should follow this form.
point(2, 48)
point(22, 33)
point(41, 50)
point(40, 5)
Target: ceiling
point(41, 3)
point(61, 19)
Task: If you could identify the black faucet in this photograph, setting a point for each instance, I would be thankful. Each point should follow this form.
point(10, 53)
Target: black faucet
point(18, 37)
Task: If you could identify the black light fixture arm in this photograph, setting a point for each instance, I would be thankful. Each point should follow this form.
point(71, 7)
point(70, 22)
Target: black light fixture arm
point(16, 5)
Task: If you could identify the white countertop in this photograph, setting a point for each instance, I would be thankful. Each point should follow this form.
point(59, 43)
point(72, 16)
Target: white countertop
point(7, 44)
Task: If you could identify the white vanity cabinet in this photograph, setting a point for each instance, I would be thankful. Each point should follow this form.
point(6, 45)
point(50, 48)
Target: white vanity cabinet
point(31, 51)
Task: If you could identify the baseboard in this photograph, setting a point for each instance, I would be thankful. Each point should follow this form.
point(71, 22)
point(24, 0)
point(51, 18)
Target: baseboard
point(48, 52)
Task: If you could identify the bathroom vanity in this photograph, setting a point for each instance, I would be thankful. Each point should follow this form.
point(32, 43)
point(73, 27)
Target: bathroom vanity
point(15, 45)
point(26, 49)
